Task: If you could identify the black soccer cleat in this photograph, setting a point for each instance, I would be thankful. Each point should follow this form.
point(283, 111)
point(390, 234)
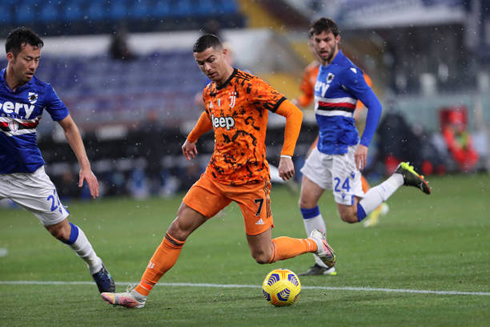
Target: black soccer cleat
point(411, 178)
point(104, 281)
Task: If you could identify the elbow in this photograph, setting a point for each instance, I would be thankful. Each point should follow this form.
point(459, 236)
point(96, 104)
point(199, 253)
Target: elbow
point(298, 114)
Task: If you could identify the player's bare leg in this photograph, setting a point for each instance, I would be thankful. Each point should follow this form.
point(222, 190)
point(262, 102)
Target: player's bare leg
point(313, 220)
point(75, 238)
point(266, 250)
point(164, 258)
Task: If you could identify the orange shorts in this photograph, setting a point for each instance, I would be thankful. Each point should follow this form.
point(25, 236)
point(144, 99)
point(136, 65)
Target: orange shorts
point(209, 197)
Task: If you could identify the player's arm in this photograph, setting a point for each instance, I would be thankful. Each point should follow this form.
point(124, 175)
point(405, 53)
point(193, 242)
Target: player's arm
point(307, 89)
point(373, 115)
point(304, 100)
point(203, 125)
point(294, 119)
point(74, 139)
point(306, 97)
point(356, 83)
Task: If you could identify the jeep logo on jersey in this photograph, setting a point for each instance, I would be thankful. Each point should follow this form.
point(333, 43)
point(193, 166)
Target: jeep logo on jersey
point(33, 97)
point(223, 122)
point(23, 110)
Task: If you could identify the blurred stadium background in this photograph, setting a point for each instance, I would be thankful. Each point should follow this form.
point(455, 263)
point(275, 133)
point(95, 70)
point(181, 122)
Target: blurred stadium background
point(428, 59)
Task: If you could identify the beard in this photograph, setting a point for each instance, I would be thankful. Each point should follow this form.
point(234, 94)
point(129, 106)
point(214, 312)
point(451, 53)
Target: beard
point(330, 54)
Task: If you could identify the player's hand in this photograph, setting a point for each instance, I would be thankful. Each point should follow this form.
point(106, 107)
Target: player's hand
point(88, 176)
point(286, 168)
point(360, 156)
point(189, 150)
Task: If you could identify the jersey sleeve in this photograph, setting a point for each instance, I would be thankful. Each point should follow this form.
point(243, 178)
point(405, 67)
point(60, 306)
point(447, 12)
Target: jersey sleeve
point(264, 96)
point(56, 108)
point(294, 119)
point(307, 88)
point(354, 81)
point(202, 126)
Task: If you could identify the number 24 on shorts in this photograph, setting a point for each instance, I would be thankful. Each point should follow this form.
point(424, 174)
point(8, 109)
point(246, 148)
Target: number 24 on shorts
point(339, 185)
point(55, 201)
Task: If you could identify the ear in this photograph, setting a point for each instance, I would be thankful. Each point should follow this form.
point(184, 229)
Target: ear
point(10, 56)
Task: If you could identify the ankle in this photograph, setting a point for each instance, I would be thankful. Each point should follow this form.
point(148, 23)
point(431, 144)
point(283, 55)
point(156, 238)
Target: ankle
point(141, 291)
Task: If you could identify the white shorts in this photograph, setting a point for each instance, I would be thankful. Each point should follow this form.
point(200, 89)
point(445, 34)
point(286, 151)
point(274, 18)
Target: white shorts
point(335, 172)
point(36, 193)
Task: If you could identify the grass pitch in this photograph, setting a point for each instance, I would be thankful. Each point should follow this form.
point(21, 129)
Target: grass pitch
point(437, 243)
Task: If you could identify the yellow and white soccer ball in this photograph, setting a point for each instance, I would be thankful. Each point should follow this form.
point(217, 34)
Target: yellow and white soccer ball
point(281, 287)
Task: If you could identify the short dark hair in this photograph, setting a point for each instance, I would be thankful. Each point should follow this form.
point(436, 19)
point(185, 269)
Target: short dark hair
point(324, 25)
point(207, 41)
point(20, 36)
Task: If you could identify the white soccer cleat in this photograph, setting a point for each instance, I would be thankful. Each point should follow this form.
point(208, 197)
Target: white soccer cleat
point(317, 270)
point(129, 299)
point(325, 251)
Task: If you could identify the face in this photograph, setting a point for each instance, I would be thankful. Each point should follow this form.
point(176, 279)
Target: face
point(326, 46)
point(311, 46)
point(213, 64)
point(24, 65)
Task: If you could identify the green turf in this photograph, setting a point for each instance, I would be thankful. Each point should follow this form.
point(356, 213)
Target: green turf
point(439, 242)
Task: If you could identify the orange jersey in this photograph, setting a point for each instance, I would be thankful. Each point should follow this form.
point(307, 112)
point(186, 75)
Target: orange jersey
point(239, 110)
point(307, 86)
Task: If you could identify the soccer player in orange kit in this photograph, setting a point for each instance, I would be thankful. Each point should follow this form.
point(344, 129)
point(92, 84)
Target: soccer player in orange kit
point(237, 106)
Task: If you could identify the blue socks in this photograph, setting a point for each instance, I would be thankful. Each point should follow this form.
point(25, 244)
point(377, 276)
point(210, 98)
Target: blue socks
point(73, 235)
point(310, 213)
point(361, 214)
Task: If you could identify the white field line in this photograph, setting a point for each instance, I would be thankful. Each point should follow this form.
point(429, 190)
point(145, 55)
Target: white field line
point(327, 288)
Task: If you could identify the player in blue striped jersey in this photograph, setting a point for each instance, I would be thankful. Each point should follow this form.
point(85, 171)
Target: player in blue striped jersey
point(340, 154)
point(23, 98)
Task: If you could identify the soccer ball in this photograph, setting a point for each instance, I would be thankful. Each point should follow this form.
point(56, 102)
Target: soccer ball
point(281, 287)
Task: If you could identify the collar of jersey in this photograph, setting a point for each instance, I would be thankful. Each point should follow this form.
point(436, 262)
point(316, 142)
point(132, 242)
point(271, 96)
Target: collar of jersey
point(336, 59)
point(228, 80)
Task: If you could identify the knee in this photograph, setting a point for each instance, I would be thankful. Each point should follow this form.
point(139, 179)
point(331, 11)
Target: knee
point(178, 230)
point(181, 229)
point(350, 218)
point(306, 204)
point(60, 232)
point(261, 257)
point(262, 260)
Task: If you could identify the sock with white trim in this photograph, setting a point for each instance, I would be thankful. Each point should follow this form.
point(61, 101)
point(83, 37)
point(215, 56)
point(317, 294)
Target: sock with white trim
point(377, 195)
point(79, 243)
point(312, 219)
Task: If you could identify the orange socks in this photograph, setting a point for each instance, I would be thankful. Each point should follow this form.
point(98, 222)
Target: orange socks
point(163, 259)
point(287, 247)
point(168, 251)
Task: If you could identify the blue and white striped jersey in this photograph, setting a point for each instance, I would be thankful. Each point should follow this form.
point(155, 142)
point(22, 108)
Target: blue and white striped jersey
point(20, 113)
point(338, 87)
